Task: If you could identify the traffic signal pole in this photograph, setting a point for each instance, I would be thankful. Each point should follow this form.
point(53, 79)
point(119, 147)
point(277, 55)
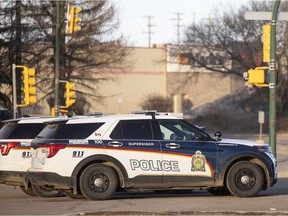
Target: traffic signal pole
point(57, 58)
point(272, 82)
point(272, 64)
point(15, 112)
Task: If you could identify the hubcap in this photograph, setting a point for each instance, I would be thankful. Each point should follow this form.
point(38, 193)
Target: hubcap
point(98, 182)
point(245, 179)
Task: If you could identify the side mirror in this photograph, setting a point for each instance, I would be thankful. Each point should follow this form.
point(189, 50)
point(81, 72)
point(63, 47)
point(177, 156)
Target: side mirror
point(174, 137)
point(218, 134)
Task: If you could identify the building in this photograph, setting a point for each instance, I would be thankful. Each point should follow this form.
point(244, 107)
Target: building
point(155, 71)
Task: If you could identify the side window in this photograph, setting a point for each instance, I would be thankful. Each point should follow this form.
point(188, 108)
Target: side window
point(76, 131)
point(166, 133)
point(60, 130)
point(178, 130)
point(133, 129)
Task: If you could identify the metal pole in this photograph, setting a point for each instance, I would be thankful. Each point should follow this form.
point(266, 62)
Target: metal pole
point(14, 91)
point(272, 83)
point(57, 58)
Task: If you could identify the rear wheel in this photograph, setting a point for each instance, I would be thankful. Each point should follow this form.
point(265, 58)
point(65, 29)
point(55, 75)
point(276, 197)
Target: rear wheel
point(29, 191)
point(98, 182)
point(45, 192)
point(245, 179)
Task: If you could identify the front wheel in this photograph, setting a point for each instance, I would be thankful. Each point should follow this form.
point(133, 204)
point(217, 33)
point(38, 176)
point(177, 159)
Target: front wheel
point(245, 179)
point(98, 182)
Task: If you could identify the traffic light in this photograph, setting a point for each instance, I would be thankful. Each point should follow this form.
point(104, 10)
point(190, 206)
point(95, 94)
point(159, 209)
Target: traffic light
point(266, 42)
point(258, 76)
point(74, 18)
point(29, 82)
point(69, 93)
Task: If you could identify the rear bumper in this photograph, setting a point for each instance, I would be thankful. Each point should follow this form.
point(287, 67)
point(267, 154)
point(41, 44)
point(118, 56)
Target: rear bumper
point(51, 179)
point(12, 178)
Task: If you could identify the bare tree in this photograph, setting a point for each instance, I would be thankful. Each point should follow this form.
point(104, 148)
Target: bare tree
point(229, 44)
point(93, 47)
point(157, 102)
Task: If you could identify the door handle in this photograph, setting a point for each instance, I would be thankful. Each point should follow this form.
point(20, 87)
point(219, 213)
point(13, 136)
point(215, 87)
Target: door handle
point(172, 145)
point(115, 144)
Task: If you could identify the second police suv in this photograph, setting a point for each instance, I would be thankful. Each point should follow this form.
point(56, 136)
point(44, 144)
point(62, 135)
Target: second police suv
point(94, 157)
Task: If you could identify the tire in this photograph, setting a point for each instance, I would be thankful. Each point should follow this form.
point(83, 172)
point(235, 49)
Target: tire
point(245, 179)
point(29, 191)
point(45, 192)
point(70, 194)
point(223, 191)
point(98, 182)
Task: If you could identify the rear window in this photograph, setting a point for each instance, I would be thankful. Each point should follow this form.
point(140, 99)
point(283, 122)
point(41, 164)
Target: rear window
point(13, 130)
point(4, 115)
point(69, 131)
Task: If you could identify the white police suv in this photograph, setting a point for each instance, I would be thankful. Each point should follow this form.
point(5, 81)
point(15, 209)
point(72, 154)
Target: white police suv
point(96, 156)
point(15, 157)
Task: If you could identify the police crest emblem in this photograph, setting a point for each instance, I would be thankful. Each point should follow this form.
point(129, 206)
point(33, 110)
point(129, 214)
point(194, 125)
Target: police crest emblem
point(198, 162)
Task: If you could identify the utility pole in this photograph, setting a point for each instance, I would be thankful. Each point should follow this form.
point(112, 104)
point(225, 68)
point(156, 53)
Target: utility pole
point(149, 32)
point(178, 19)
point(57, 58)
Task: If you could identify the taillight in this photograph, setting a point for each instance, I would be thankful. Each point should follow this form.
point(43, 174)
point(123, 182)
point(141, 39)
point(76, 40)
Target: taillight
point(5, 148)
point(52, 149)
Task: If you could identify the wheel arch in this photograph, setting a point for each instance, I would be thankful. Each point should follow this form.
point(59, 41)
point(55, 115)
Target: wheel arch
point(254, 158)
point(102, 159)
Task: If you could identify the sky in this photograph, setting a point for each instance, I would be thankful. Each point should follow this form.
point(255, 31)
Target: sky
point(133, 16)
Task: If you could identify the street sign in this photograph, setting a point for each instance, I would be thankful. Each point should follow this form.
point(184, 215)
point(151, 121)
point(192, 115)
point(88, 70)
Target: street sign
point(261, 120)
point(264, 15)
point(261, 117)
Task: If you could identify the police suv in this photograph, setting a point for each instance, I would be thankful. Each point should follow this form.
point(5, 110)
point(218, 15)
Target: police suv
point(95, 157)
point(15, 157)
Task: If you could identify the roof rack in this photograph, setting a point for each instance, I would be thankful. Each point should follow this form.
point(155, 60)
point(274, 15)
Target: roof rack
point(147, 112)
point(154, 112)
point(94, 114)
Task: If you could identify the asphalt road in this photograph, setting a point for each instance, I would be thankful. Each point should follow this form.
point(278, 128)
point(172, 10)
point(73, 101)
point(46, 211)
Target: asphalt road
point(272, 202)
